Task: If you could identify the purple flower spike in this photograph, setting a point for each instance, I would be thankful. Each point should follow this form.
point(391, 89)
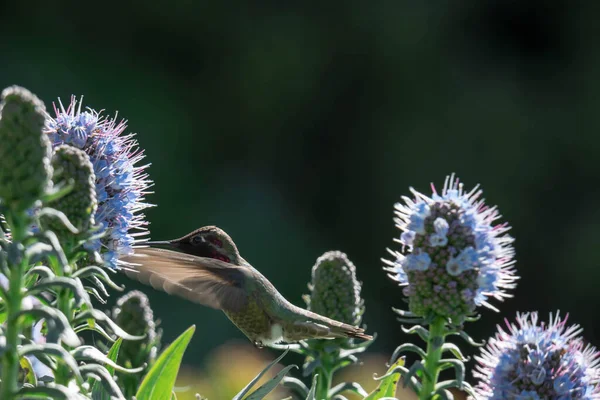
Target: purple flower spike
point(538, 361)
point(121, 184)
point(449, 239)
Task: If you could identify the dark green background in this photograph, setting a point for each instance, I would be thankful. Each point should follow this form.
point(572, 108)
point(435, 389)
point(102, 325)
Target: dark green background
point(296, 126)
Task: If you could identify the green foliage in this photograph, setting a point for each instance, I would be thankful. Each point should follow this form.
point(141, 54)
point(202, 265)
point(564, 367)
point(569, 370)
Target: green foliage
point(158, 383)
point(265, 389)
point(46, 279)
point(98, 391)
point(389, 383)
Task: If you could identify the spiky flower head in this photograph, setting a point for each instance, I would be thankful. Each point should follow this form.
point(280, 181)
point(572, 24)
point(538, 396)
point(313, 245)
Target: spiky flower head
point(538, 361)
point(453, 258)
point(334, 289)
point(120, 183)
point(73, 166)
point(25, 151)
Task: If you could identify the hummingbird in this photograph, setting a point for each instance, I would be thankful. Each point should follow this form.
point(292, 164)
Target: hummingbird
point(206, 267)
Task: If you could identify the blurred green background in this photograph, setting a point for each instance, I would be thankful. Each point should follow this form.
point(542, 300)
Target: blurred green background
point(296, 126)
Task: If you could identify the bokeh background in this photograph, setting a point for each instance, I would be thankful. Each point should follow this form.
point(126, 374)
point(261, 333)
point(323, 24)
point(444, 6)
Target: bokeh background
point(296, 126)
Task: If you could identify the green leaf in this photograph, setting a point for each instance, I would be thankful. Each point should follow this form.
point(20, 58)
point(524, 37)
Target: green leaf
point(387, 386)
point(98, 390)
point(313, 388)
point(90, 353)
point(101, 318)
point(58, 325)
point(56, 392)
point(52, 349)
point(28, 368)
point(247, 388)
point(265, 389)
point(158, 383)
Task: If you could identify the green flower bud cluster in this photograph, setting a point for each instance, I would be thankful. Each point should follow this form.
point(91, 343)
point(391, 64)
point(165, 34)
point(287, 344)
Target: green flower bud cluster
point(25, 150)
point(335, 291)
point(73, 166)
point(133, 313)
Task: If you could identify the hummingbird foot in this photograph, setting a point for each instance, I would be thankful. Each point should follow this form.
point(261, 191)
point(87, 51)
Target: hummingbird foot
point(258, 344)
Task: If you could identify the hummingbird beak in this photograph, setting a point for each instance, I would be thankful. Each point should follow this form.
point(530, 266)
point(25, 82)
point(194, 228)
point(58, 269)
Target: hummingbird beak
point(163, 243)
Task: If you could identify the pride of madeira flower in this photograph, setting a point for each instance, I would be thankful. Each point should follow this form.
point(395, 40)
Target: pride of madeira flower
point(120, 184)
point(453, 259)
point(538, 361)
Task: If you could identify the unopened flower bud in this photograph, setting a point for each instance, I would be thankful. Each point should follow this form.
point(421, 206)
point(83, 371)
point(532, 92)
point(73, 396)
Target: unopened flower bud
point(335, 291)
point(73, 166)
point(24, 150)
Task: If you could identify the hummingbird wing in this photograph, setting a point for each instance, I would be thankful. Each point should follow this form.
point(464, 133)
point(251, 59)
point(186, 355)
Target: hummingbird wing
point(203, 280)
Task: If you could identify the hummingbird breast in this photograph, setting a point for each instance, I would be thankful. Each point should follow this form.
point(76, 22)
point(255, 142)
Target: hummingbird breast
point(256, 324)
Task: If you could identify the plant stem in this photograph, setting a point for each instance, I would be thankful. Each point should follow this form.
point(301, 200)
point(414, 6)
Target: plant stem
point(323, 383)
point(10, 359)
point(432, 360)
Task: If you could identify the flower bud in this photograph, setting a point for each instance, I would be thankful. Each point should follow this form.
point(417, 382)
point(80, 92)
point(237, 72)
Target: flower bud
point(335, 291)
point(25, 151)
point(134, 315)
point(72, 166)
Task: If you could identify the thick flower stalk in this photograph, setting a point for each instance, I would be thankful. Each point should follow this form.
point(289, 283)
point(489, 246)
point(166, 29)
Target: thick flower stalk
point(536, 360)
point(453, 259)
point(120, 182)
point(334, 293)
point(24, 177)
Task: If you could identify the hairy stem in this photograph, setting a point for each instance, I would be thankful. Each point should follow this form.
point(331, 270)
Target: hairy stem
point(432, 360)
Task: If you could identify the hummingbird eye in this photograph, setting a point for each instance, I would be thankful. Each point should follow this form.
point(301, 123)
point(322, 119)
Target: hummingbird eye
point(197, 239)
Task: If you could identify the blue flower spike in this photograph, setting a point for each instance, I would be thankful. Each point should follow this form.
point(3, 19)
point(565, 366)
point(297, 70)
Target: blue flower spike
point(532, 360)
point(453, 259)
point(121, 183)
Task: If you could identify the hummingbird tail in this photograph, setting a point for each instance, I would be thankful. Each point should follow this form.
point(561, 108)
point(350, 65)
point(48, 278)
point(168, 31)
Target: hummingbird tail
point(337, 328)
point(350, 331)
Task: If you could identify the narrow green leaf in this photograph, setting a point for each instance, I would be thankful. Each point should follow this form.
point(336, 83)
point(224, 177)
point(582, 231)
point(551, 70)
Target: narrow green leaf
point(98, 390)
point(247, 388)
point(90, 353)
point(387, 386)
point(51, 349)
point(56, 392)
point(158, 383)
point(265, 389)
point(313, 389)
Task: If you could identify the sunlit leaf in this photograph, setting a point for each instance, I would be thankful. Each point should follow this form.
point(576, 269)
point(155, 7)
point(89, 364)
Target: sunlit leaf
point(387, 387)
point(158, 383)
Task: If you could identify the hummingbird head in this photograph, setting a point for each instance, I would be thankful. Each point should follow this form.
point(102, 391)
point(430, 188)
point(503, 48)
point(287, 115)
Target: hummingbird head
point(209, 242)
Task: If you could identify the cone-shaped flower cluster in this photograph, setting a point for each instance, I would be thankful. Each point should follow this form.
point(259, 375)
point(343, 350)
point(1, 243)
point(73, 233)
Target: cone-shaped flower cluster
point(24, 150)
point(134, 315)
point(72, 166)
point(538, 361)
point(453, 258)
point(334, 289)
point(120, 184)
